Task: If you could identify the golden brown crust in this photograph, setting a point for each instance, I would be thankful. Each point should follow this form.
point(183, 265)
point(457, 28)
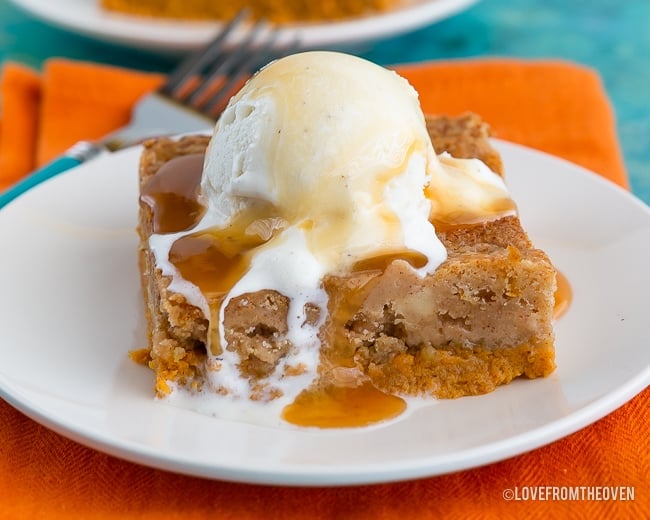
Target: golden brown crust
point(454, 371)
point(177, 330)
point(482, 319)
point(466, 137)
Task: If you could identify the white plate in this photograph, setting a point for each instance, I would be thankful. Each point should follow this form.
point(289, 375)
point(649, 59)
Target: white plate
point(88, 18)
point(70, 312)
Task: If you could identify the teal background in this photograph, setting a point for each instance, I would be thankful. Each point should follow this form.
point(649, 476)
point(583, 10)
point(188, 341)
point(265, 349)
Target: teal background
point(612, 36)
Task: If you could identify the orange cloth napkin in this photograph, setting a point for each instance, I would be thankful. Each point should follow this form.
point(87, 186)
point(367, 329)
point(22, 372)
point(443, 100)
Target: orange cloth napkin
point(553, 106)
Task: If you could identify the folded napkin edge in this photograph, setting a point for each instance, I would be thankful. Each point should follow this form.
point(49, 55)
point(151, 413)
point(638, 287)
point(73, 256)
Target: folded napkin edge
point(61, 73)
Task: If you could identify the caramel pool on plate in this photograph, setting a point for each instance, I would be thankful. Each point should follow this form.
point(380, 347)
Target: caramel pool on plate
point(343, 407)
point(563, 295)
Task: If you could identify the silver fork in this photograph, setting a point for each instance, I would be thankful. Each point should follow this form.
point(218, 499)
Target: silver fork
point(191, 99)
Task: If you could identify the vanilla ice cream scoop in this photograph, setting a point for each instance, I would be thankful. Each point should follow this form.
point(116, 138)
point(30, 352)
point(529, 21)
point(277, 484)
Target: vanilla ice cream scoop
point(333, 144)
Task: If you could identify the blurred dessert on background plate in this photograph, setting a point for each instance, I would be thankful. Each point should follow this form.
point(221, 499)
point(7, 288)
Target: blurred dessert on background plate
point(279, 11)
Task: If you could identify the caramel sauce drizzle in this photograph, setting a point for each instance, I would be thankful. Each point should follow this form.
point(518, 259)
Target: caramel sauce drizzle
point(563, 295)
point(499, 209)
point(214, 260)
point(173, 198)
point(381, 263)
point(343, 406)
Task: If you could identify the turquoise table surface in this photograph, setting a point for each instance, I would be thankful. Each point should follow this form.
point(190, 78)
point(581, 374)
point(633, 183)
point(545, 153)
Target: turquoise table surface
point(611, 36)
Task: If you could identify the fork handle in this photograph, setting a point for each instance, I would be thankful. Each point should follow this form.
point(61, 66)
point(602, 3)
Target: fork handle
point(74, 156)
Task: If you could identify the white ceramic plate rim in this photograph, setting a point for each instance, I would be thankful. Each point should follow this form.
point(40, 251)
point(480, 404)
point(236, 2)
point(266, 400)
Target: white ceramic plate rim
point(86, 17)
point(599, 401)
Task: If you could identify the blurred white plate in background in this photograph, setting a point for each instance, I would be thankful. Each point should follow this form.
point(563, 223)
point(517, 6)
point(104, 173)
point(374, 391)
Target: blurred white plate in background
point(86, 17)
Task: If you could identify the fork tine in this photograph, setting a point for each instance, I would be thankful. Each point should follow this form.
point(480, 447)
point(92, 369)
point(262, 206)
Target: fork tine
point(255, 59)
point(191, 65)
point(223, 69)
